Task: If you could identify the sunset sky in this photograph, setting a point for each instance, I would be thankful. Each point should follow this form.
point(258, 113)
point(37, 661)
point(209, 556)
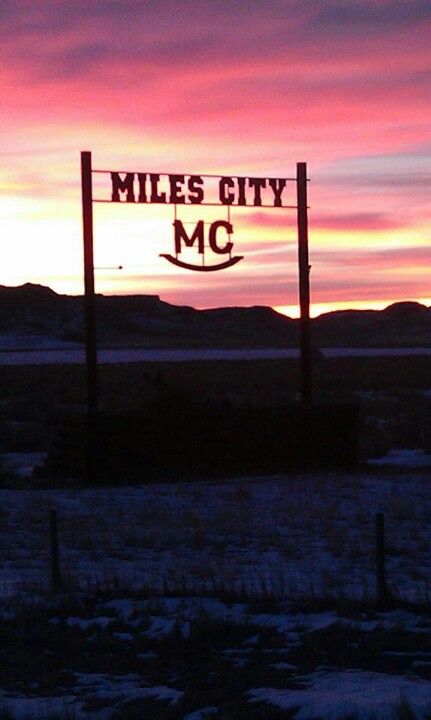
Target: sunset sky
point(245, 87)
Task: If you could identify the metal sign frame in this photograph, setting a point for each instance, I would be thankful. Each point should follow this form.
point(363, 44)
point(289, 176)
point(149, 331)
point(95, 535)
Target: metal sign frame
point(196, 199)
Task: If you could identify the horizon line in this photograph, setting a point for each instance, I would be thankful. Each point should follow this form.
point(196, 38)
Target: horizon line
point(292, 310)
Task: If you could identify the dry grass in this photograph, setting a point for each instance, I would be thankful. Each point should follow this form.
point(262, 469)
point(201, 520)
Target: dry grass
point(315, 532)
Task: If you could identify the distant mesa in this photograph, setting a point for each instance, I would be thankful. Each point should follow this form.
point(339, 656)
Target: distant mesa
point(406, 309)
point(145, 321)
point(27, 290)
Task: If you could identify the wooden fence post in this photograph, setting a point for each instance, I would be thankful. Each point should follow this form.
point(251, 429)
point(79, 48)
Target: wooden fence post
point(56, 581)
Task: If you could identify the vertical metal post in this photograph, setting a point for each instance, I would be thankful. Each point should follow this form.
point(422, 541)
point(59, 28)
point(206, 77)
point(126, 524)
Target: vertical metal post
point(382, 593)
point(90, 317)
point(56, 582)
point(304, 282)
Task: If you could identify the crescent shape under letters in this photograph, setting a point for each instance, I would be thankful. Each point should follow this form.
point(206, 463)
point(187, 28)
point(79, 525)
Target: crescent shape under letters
point(202, 268)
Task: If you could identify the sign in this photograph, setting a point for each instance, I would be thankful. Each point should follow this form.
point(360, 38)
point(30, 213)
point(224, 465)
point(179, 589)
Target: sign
point(193, 190)
point(198, 236)
point(179, 190)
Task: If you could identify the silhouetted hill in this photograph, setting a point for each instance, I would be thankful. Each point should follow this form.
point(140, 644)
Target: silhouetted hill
point(38, 313)
point(403, 324)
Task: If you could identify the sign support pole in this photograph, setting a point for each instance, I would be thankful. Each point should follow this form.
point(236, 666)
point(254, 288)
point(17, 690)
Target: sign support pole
point(90, 318)
point(304, 283)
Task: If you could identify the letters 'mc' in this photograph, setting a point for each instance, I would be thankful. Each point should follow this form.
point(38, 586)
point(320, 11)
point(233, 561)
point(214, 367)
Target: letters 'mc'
point(181, 236)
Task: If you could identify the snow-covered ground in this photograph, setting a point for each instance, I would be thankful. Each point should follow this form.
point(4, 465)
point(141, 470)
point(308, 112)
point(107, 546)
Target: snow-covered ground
point(297, 535)
point(74, 355)
point(191, 658)
point(368, 695)
point(179, 648)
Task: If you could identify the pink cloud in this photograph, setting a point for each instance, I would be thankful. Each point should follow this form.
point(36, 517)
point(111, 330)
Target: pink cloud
point(354, 221)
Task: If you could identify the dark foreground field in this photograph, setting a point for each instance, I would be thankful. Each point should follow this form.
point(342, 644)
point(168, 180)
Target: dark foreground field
point(188, 658)
point(391, 393)
point(252, 380)
point(234, 600)
point(247, 599)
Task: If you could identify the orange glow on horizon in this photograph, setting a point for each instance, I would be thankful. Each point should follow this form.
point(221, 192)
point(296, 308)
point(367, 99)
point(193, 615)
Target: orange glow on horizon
point(317, 309)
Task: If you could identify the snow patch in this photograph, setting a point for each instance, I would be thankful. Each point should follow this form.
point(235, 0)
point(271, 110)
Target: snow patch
point(334, 695)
